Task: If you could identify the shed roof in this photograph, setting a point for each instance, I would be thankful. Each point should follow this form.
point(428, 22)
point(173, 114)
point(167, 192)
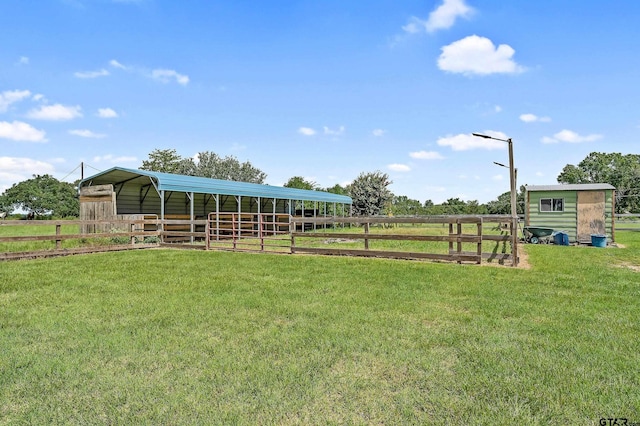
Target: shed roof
point(200, 185)
point(570, 187)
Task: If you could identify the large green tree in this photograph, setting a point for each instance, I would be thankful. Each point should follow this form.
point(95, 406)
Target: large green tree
point(167, 161)
point(338, 189)
point(404, 206)
point(211, 165)
point(502, 205)
point(301, 183)
point(370, 193)
point(207, 164)
point(43, 194)
point(621, 171)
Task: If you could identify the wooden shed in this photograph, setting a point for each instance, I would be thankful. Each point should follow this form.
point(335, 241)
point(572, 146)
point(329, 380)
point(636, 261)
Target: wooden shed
point(580, 210)
point(120, 191)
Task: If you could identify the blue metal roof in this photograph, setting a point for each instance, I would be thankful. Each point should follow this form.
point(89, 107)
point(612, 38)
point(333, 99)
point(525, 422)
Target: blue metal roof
point(200, 185)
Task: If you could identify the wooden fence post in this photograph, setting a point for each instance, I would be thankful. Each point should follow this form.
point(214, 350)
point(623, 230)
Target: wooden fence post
point(450, 233)
point(58, 232)
point(366, 232)
point(479, 250)
point(514, 236)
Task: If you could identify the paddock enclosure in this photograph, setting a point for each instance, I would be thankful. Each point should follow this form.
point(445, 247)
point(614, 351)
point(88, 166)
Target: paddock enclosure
point(458, 239)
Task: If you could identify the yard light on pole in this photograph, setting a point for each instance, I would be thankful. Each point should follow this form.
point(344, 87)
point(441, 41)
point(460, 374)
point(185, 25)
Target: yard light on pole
point(512, 181)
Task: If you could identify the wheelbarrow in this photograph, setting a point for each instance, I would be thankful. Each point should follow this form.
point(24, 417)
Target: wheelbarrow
point(537, 235)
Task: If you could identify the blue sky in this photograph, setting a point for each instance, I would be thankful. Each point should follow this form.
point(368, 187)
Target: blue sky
point(321, 89)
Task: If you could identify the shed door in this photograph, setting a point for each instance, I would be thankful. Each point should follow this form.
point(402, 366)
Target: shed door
point(590, 214)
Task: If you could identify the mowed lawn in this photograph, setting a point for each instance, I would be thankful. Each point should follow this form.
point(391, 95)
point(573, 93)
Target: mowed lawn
point(191, 337)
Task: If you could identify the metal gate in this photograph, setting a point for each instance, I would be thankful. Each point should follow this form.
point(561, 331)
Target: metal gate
point(266, 232)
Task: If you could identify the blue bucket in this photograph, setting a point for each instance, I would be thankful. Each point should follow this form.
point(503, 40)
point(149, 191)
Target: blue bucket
point(598, 240)
point(561, 238)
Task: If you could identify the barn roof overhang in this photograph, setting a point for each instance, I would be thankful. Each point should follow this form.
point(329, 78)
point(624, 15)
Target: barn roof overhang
point(119, 176)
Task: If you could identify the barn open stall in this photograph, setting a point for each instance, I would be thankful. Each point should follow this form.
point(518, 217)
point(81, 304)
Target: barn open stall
point(143, 193)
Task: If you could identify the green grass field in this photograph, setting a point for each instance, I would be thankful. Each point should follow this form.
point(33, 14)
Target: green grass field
point(184, 337)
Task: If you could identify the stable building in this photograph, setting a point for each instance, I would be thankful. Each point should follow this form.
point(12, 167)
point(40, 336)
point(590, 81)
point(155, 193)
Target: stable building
point(125, 192)
point(578, 209)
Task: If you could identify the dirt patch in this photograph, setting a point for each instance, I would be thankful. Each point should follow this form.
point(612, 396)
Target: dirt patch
point(524, 258)
point(634, 268)
point(339, 240)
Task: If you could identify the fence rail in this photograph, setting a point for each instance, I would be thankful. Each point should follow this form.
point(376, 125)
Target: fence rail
point(465, 237)
point(448, 238)
point(628, 222)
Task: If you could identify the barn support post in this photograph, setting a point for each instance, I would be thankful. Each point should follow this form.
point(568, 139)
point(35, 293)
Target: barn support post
point(315, 212)
point(260, 219)
point(192, 214)
point(273, 219)
point(324, 226)
point(217, 217)
point(239, 201)
point(162, 208)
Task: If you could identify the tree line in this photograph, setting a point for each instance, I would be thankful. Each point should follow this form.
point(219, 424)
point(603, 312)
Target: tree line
point(45, 195)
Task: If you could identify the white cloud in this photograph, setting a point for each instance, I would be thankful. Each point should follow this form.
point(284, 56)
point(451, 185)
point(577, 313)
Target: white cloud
point(87, 134)
point(91, 74)
point(478, 55)
point(116, 64)
point(426, 155)
point(569, 136)
point(307, 131)
point(16, 169)
point(443, 17)
point(446, 14)
point(378, 132)
point(539, 174)
point(23, 60)
point(465, 142)
point(532, 118)
point(399, 167)
point(55, 112)
point(20, 131)
point(109, 158)
point(328, 131)
point(38, 97)
point(497, 108)
point(9, 97)
point(497, 177)
point(414, 26)
point(165, 76)
point(106, 113)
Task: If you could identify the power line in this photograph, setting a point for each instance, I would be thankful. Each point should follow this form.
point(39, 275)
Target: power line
point(71, 172)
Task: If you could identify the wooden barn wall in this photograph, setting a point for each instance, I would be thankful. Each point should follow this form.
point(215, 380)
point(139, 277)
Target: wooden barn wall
point(97, 202)
point(566, 221)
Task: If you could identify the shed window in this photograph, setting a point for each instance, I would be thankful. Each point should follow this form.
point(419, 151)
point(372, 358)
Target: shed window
point(552, 204)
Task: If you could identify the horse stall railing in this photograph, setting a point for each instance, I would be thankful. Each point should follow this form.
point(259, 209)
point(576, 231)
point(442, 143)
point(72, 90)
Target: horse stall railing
point(20, 239)
point(445, 238)
point(265, 232)
point(180, 229)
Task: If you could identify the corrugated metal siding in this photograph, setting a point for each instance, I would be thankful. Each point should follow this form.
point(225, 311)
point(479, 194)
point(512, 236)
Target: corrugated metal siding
point(563, 221)
point(128, 202)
